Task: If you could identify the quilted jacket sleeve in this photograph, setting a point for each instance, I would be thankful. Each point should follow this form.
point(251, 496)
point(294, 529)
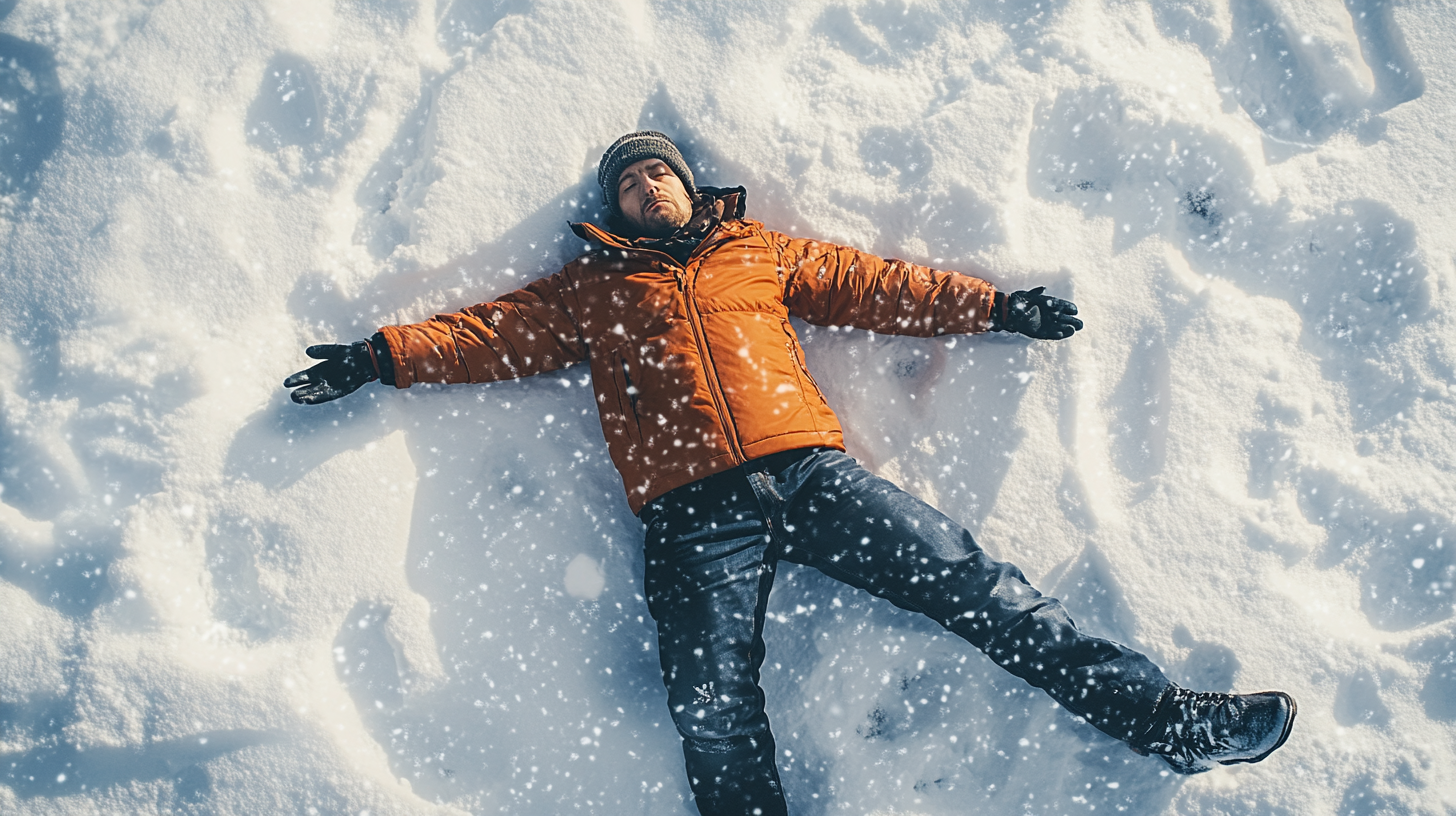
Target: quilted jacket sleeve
point(832, 285)
point(528, 331)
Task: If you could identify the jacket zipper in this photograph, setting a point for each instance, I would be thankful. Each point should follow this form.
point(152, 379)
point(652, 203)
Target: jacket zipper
point(715, 386)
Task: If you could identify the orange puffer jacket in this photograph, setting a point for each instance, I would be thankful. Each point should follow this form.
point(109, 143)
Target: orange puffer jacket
point(696, 367)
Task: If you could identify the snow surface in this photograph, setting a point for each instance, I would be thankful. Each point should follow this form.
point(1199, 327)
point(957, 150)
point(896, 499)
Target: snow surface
point(428, 602)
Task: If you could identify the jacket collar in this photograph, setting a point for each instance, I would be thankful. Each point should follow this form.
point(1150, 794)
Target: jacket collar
point(735, 203)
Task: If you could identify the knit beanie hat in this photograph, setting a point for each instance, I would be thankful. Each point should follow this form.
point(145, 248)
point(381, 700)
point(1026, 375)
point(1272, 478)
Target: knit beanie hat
point(633, 148)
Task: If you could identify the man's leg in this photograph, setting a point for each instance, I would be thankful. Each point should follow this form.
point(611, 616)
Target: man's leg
point(709, 568)
point(833, 515)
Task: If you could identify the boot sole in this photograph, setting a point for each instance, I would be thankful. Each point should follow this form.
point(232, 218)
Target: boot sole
point(1283, 735)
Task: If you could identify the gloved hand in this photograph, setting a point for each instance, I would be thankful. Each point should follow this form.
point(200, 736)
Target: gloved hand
point(1035, 315)
point(343, 370)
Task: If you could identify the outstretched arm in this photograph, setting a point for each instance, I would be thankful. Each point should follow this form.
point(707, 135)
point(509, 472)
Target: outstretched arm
point(526, 332)
point(529, 331)
point(833, 285)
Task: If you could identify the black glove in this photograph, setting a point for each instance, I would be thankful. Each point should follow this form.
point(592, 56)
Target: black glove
point(343, 370)
point(1035, 315)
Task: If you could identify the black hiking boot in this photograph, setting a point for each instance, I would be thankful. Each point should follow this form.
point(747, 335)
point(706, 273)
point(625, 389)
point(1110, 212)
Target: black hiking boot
point(1195, 730)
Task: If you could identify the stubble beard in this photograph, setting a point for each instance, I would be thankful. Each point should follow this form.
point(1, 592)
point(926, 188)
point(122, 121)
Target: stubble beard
point(661, 222)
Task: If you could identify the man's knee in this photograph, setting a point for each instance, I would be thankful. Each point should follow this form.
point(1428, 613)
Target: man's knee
point(715, 710)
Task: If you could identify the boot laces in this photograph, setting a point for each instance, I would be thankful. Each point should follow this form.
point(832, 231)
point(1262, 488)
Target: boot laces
point(1189, 732)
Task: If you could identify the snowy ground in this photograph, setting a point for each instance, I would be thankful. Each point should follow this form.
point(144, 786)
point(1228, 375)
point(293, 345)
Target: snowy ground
point(215, 601)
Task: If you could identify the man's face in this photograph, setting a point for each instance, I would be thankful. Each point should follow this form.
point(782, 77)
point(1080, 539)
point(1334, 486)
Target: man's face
point(652, 198)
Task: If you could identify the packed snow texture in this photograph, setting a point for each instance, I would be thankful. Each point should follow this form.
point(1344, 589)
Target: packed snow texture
point(215, 601)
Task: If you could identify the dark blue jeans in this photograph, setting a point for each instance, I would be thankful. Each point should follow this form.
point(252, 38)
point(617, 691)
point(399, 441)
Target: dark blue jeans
point(711, 553)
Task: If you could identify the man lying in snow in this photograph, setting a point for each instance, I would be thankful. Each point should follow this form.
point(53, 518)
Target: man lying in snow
point(733, 460)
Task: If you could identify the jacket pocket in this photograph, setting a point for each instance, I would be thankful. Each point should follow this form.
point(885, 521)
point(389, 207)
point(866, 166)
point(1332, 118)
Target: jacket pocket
point(626, 397)
point(792, 345)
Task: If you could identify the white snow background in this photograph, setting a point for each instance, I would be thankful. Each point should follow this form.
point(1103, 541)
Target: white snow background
point(214, 601)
